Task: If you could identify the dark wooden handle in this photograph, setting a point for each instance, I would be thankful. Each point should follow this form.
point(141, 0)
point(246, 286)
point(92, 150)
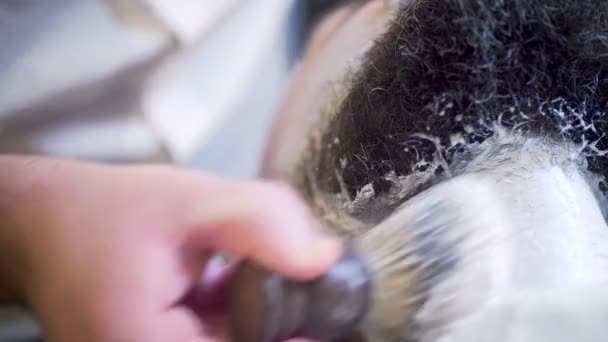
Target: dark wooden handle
point(267, 307)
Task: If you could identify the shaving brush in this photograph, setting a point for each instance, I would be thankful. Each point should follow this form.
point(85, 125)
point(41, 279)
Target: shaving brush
point(404, 278)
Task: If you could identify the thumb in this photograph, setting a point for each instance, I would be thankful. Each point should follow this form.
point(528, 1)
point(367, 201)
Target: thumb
point(268, 223)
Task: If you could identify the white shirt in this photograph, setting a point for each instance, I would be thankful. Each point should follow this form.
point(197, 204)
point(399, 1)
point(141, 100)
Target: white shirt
point(133, 80)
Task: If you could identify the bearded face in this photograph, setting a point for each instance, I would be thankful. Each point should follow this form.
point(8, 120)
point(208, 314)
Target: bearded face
point(461, 145)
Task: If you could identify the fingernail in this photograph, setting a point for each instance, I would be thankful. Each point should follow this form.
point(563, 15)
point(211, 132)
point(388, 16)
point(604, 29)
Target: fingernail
point(329, 247)
point(320, 256)
point(325, 245)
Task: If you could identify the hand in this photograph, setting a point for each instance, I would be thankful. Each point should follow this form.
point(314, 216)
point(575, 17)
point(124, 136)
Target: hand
point(111, 252)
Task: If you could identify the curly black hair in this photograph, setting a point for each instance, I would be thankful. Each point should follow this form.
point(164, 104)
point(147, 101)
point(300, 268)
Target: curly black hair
point(446, 71)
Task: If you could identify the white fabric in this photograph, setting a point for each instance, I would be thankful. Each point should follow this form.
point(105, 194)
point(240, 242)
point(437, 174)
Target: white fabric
point(138, 79)
point(188, 20)
point(195, 95)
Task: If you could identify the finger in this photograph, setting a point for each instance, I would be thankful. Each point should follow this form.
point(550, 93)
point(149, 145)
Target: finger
point(265, 221)
point(178, 324)
point(268, 223)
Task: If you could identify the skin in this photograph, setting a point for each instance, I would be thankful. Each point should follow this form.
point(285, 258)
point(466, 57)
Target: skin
point(119, 253)
point(338, 39)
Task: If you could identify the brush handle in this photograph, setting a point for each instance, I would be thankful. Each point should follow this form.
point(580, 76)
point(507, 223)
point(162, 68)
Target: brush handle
point(267, 307)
